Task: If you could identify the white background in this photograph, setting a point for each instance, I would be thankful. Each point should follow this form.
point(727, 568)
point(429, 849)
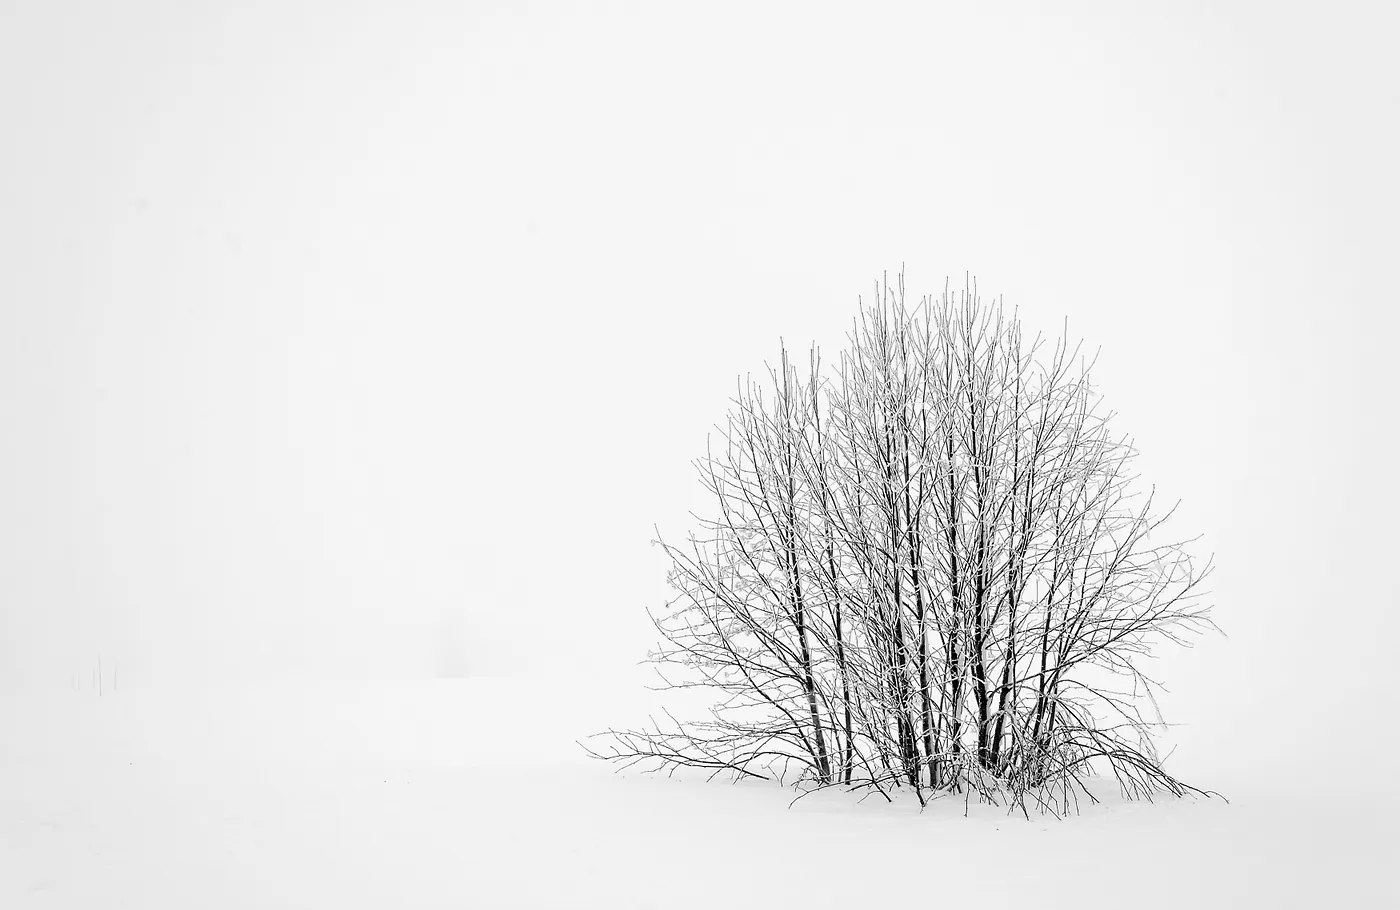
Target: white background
point(356, 340)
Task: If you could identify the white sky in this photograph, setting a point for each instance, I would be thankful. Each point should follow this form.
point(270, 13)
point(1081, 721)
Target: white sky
point(357, 339)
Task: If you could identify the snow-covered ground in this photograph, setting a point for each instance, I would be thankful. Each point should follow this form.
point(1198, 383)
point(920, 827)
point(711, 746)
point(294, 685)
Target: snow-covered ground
point(471, 793)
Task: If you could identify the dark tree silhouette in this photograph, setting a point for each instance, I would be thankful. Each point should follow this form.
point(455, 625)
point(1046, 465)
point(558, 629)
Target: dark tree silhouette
point(929, 568)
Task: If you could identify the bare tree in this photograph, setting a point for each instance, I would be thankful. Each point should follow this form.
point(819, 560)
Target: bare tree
point(931, 568)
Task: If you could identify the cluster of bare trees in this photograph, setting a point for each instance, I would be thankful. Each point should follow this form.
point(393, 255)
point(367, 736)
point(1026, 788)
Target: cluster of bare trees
point(929, 568)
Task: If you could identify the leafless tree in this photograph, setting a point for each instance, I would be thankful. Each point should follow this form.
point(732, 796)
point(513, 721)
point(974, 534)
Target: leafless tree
point(930, 567)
